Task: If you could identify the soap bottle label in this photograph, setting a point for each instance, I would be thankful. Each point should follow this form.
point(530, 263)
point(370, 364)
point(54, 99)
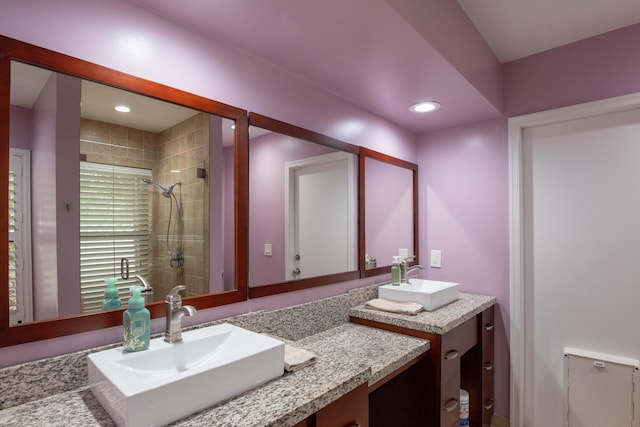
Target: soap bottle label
point(135, 332)
point(137, 328)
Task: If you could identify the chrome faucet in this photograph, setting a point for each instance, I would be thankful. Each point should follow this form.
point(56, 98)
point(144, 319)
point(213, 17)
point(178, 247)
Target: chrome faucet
point(405, 271)
point(147, 290)
point(175, 311)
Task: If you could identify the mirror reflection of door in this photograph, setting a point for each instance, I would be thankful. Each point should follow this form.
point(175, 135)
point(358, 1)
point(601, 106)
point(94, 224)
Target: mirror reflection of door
point(276, 149)
point(320, 230)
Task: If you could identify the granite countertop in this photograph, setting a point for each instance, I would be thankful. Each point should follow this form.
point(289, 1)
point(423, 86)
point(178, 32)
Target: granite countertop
point(438, 322)
point(347, 356)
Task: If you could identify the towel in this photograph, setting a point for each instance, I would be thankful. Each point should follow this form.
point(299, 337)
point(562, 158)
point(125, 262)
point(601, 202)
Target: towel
point(411, 308)
point(297, 358)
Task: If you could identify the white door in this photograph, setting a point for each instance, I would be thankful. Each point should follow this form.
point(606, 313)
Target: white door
point(320, 216)
point(581, 246)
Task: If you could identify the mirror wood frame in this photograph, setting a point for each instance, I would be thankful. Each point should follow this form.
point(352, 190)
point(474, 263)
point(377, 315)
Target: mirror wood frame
point(11, 49)
point(364, 153)
point(293, 131)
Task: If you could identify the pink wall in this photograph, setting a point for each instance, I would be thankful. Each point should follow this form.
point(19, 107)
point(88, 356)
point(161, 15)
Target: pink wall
point(464, 210)
point(119, 35)
point(43, 192)
point(68, 193)
point(55, 150)
point(20, 127)
point(600, 67)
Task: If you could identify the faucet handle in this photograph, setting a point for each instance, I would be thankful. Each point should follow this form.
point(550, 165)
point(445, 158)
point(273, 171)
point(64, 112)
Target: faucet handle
point(409, 258)
point(174, 295)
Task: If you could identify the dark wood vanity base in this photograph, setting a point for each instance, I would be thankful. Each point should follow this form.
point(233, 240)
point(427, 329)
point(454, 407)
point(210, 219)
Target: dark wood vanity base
point(461, 358)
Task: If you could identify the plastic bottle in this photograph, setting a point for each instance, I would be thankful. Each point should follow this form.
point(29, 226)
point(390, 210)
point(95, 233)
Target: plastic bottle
point(464, 407)
point(111, 297)
point(136, 322)
point(395, 270)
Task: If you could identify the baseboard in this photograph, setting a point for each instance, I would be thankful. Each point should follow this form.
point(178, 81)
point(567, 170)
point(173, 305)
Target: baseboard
point(499, 421)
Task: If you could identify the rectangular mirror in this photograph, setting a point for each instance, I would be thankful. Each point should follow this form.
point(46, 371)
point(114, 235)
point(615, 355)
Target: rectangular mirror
point(302, 208)
point(389, 194)
point(152, 195)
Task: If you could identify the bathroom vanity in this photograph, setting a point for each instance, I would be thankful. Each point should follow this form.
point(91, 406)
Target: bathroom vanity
point(362, 374)
point(462, 341)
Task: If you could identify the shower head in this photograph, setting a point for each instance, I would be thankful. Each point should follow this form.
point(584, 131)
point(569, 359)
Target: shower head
point(166, 192)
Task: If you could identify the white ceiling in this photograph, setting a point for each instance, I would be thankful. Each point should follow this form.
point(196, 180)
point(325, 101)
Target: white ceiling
point(518, 28)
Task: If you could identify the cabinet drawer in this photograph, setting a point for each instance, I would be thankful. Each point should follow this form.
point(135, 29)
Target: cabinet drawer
point(450, 401)
point(455, 343)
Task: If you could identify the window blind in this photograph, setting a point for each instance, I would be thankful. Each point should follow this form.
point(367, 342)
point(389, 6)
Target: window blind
point(13, 291)
point(114, 224)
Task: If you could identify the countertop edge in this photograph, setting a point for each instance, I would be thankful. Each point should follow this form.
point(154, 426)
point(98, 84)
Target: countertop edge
point(437, 322)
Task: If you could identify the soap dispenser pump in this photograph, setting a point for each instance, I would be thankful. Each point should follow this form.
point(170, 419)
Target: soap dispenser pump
point(395, 270)
point(111, 297)
point(136, 321)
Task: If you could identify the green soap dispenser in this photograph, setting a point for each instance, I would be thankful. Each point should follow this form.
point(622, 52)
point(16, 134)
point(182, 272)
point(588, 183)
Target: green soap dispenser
point(395, 270)
point(111, 298)
point(136, 322)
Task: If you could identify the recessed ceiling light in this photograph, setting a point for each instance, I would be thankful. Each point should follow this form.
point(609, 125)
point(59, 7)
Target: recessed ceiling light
point(122, 108)
point(424, 107)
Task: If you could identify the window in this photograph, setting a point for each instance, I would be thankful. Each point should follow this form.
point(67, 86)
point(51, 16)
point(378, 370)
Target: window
point(20, 288)
point(114, 224)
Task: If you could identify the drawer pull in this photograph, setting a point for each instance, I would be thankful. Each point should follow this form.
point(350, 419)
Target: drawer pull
point(451, 404)
point(488, 404)
point(451, 354)
point(488, 327)
point(489, 365)
point(353, 424)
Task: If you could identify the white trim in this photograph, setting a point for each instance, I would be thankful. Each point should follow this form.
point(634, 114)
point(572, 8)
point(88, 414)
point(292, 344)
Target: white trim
point(517, 301)
point(588, 354)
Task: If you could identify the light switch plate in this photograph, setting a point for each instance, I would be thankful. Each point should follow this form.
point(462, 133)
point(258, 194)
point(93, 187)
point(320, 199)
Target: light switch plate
point(267, 249)
point(436, 258)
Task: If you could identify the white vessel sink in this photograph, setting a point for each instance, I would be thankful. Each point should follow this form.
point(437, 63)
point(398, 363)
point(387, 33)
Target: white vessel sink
point(431, 294)
point(170, 381)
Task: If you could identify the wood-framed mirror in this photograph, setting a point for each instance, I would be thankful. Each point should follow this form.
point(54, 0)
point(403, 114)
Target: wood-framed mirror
point(204, 189)
point(389, 214)
point(303, 229)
